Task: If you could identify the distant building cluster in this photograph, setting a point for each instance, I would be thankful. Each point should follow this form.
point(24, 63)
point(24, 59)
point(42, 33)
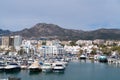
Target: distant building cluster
point(51, 47)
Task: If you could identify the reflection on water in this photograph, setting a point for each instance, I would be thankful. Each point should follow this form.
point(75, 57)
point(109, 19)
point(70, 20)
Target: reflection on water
point(1, 72)
point(88, 61)
point(34, 73)
point(12, 72)
point(114, 65)
point(81, 70)
point(9, 72)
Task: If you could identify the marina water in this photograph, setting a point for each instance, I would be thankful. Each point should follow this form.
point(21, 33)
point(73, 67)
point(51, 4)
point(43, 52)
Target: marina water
point(74, 71)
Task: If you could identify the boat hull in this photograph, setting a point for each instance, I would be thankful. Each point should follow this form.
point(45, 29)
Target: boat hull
point(82, 57)
point(103, 60)
point(46, 70)
point(35, 69)
point(58, 70)
point(17, 69)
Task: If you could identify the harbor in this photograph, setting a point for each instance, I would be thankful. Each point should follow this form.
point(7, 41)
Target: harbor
point(81, 69)
point(60, 40)
point(59, 67)
point(58, 60)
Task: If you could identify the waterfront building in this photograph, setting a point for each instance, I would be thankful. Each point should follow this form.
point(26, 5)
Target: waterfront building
point(11, 41)
point(29, 47)
point(17, 41)
point(5, 41)
point(26, 44)
point(99, 41)
point(109, 42)
point(84, 42)
point(48, 43)
point(51, 50)
point(54, 48)
point(72, 49)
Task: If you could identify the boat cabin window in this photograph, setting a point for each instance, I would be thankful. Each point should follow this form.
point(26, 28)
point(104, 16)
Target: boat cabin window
point(13, 64)
point(58, 65)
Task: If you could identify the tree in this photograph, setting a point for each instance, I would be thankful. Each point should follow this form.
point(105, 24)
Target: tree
point(116, 48)
point(21, 51)
point(81, 51)
point(93, 52)
point(72, 43)
point(44, 43)
point(62, 45)
point(106, 51)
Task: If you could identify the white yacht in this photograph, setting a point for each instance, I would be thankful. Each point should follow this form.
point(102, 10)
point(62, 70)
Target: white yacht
point(62, 62)
point(83, 56)
point(46, 67)
point(58, 67)
point(35, 67)
point(12, 67)
point(65, 63)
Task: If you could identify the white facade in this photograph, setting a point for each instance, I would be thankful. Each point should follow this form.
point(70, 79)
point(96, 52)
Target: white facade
point(51, 50)
point(17, 42)
point(99, 41)
point(72, 49)
point(84, 42)
point(26, 44)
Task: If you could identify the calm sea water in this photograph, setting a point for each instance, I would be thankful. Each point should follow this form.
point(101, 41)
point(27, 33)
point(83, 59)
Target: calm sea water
point(74, 71)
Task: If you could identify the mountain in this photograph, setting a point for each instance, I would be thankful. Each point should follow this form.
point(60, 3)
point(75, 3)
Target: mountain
point(52, 31)
point(112, 34)
point(4, 32)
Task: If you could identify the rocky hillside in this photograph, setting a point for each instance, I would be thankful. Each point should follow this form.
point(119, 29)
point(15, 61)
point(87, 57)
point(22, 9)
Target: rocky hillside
point(112, 34)
point(4, 32)
point(53, 31)
point(49, 30)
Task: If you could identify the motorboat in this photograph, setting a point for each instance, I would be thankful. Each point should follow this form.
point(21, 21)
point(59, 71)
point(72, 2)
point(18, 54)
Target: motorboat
point(35, 67)
point(62, 62)
point(12, 67)
point(58, 67)
point(46, 67)
point(83, 56)
point(103, 59)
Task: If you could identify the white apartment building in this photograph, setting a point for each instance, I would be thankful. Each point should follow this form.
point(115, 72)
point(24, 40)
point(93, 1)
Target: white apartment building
point(72, 49)
point(26, 44)
point(84, 42)
point(51, 50)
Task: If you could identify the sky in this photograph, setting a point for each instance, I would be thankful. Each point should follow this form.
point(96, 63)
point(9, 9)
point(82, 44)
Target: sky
point(71, 14)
